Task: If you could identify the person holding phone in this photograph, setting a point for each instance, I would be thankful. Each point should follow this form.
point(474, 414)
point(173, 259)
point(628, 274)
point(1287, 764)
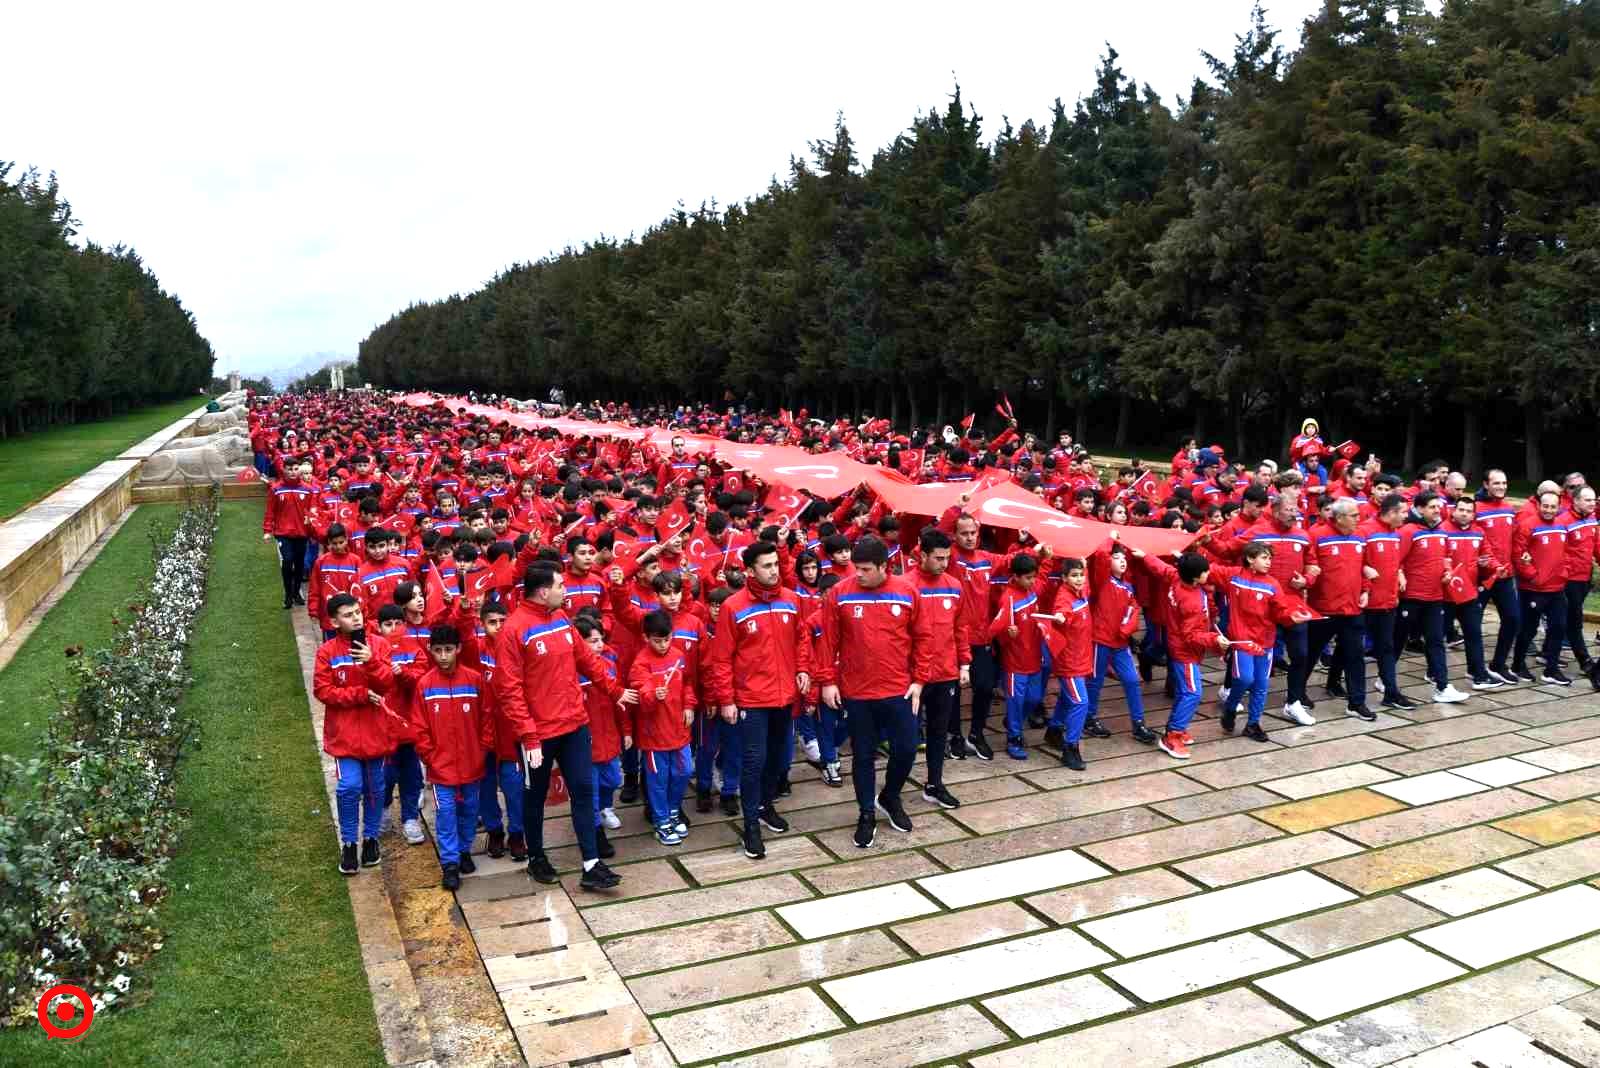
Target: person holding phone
point(352, 678)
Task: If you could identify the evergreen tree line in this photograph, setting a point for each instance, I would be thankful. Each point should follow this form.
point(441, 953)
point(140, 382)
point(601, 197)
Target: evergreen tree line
point(1394, 228)
point(84, 332)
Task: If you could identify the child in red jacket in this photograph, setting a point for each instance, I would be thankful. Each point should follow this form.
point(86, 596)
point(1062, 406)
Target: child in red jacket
point(660, 674)
point(335, 571)
point(1257, 606)
point(352, 678)
point(608, 733)
point(1069, 635)
point(453, 729)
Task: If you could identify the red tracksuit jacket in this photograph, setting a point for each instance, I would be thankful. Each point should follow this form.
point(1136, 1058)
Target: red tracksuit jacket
point(1546, 543)
point(1114, 601)
point(1072, 642)
point(377, 584)
point(1020, 654)
point(870, 643)
point(1382, 554)
point(657, 725)
point(607, 724)
point(1256, 605)
point(1497, 518)
point(452, 722)
point(1423, 552)
point(332, 573)
point(1190, 634)
point(540, 657)
point(1583, 547)
point(288, 506)
point(1337, 590)
point(353, 725)
point(759, 646)
point(942, 625)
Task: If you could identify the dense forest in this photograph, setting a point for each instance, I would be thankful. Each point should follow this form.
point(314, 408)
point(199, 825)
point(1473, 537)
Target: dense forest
point(1395, 227)
point(84, 332)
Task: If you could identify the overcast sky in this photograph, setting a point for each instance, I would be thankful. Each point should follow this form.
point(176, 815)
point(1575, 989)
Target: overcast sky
point(296, 174)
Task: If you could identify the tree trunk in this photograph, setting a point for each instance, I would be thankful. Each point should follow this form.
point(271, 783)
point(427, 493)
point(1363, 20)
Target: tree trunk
point(1533, 434)
point(1124, 421)
point(939, 406)
point(911, 398)
point(894, 407)
point(1080, 426)
point(1409, 462)
point(1241, 444)
point(1472, 442)
point(1050, 417)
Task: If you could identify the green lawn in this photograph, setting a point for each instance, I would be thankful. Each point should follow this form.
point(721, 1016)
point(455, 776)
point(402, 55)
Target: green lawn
point(116, 578)
point(261, 963)
point(35, 465)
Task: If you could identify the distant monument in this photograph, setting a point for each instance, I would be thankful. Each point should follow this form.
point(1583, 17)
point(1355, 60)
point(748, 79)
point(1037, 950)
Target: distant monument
point(233, 381)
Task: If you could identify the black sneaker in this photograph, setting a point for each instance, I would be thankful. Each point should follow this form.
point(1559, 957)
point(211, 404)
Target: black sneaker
point(1095, 729)
point(599, 877)
point(831, 776)
point(1401, 702)
point(348, 863)
point(958, 747)
point(1036, 721)
point(299, 599)
point(1142, 734)
point(1361, 712)
point(369, 853)
point(1052, 737)
point(866, 830)
point(772, 821)
point(1554, 677)
point(1072, 758)
point(517, 846)
point(1334, 689)
point(466, 865)
point(754, 848)
point(602, 844)
point(1522, 674)
point(891, 807)
point(730, 804)
point(1230, 716)
point(452, 878)
point(497, 844)
point(784, 789)
point(683, 820)
point(630, 787)
point(1254, 732)
point(938, 795)
point(542, 870)
point(702, 799)
point(980, 748)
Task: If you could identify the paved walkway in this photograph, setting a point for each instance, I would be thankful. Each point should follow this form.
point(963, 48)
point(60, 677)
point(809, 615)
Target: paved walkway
point(1420, 890)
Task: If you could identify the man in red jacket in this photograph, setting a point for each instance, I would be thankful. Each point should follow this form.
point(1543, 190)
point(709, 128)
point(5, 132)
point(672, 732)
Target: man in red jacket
point(1424, 549)
point(289, 501)
point(539, 656)
point(1339, 593)
point(1539, 554)
point(352, 677)
point(871, 662)
point(1497, 518)
point(944, 639)
point(756, 667)
point(452, 719)
point(1583, 551)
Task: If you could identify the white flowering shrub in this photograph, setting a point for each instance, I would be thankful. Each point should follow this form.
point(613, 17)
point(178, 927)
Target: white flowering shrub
point(87, 827)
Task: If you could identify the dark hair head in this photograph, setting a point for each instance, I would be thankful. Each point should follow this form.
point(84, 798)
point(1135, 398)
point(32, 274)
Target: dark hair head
point(391, 612)
point(932, 538)
point(539, 577)
point(869, 550)
point(657, 624)
point(1024, 565)
point(756, 551)
point(338, 601)
point(1192, 567)
point(444, 634)
point(404, 592)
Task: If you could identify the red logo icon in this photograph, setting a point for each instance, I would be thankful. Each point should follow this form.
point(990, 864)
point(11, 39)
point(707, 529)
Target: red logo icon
point(66, 1020)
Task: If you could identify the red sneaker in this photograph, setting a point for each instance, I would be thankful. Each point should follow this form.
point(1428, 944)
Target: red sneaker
point(1174, 745)
point(1188, 739)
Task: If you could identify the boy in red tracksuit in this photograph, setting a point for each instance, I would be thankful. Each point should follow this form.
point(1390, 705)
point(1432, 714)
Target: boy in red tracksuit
point(660, 675)
point(942, 628)
point(1114, 608)
point(1538, 553)
point(609, 735)
point(1021, 651)
point(1190, 635)
point(502, 769)
point(335, 571)
point(1071, 643)
point(289, 504)
point(1256, 608)
point(352, 679)
point(379, 574)
point(453, 730)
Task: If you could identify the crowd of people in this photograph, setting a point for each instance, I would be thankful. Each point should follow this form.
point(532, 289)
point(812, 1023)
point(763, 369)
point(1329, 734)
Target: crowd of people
point(502, 601)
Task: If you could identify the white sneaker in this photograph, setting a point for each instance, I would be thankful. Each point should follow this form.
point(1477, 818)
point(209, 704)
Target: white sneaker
point(1295, 712)
point(813, 751)
point(609, 817)
point(413, 832)
point(1448, 696)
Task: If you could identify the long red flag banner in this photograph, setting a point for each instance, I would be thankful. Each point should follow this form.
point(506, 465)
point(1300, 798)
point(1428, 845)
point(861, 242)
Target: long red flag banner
point(832, 474)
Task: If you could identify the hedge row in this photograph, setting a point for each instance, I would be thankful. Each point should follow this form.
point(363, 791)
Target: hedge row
point(88, 825)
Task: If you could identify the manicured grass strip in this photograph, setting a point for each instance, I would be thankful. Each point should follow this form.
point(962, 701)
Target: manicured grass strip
point(116, 578)
point(36, 465)
point(261, 963)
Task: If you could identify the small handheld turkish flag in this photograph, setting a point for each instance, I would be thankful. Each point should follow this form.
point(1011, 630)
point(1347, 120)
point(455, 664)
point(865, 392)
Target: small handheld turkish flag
point(1348, 449)
point(674, 518)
